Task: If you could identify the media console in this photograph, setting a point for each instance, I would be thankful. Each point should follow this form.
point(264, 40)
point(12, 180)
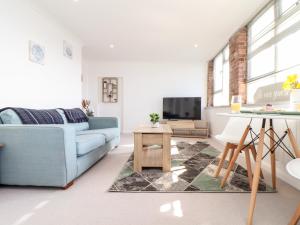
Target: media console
point(188, 128)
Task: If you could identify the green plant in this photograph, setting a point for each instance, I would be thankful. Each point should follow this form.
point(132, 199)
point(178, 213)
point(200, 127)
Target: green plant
point(154, 117)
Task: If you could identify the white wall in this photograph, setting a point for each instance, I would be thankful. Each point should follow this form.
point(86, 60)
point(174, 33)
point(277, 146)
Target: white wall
point(26, 84)
point(144, 86)
point(108, 109)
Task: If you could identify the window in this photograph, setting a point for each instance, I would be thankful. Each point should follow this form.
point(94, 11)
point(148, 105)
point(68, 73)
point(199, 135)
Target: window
point(258, 38)
point(273, 45)
point(218, 73)
point(221, 78)
point(286, 4)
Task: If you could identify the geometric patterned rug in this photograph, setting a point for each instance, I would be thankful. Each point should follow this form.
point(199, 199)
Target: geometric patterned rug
point(192, 169)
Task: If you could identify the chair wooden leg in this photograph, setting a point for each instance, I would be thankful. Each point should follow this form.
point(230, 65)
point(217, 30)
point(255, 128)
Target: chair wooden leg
point(296, 217)
point(249, 170)
point(235, 155)
point(253, 151)
point(221, 162)
point(293, 142)
point(231, 153)
point(272, 157)
point(256, 175)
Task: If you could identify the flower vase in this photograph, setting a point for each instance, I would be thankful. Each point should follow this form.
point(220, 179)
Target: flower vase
point(155, 125)
point(295, 100)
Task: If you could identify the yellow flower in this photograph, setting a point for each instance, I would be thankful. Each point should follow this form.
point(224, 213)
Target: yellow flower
point(292, 78)
point(291, 82)
point(286, 86)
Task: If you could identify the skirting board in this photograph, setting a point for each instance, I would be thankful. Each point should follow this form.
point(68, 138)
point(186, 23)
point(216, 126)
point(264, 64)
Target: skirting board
point(280, 170)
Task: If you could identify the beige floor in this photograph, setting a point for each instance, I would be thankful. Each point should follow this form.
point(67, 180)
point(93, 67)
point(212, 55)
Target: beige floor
point(88, 203)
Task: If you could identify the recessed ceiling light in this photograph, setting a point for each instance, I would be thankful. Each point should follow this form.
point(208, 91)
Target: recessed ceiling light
point(75, 0)
point(195, 45)
point(112, 46)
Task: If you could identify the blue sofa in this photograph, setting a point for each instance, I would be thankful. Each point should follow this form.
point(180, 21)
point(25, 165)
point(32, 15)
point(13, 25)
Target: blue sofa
point(52, 155)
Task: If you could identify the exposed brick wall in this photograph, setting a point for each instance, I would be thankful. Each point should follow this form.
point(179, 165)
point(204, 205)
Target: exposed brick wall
point(210, 83)
point(238, 64)
point(238, 45)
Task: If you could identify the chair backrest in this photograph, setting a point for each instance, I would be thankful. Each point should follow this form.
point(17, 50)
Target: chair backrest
point(235, 128)
point(293, 168)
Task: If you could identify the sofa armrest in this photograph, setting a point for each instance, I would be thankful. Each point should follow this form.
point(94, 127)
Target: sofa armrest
point(103, 122)
point(38, 155)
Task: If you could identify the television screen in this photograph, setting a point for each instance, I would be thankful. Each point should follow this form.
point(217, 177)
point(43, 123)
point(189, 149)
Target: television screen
point(182, 108)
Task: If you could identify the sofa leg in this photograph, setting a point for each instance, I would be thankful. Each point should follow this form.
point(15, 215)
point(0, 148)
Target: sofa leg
point(68, 185)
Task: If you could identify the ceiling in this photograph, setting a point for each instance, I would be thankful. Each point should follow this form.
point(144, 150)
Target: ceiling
point(153, 30)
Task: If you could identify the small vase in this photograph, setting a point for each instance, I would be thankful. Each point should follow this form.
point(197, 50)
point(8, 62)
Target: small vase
point(295, 99)
point(155, 125)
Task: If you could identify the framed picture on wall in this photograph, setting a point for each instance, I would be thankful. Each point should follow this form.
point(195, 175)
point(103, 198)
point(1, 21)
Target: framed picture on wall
point(110, 89)
point(36, 53)
point(67, 50)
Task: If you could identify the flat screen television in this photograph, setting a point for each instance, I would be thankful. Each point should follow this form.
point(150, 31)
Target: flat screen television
point(187, 108)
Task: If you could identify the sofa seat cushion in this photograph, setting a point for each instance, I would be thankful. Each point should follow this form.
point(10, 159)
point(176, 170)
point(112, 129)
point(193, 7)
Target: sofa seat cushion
point(109, 133)
point(88, 142)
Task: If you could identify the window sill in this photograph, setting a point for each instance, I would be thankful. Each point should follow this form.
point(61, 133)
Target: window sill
point(260, 105)
point(248, 105)
point(217, 107)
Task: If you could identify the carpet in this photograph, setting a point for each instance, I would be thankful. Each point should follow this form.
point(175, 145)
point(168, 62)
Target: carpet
point(192, 169)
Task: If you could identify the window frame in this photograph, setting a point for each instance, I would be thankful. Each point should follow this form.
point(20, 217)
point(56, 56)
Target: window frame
point(278, 18)
point(222, 51)
point(225, 60)
point(256, 17)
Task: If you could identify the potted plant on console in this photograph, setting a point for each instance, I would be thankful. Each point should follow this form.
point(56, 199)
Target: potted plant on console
point(154, 118)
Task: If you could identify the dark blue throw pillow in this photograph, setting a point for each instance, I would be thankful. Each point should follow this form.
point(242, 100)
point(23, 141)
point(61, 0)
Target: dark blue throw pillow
point(75, 115)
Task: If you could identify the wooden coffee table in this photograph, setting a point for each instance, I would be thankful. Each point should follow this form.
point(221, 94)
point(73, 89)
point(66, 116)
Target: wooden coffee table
point(152, 147)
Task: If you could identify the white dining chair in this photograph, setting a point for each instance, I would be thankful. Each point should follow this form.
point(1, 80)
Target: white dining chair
point(293, 168)
point(230, 137)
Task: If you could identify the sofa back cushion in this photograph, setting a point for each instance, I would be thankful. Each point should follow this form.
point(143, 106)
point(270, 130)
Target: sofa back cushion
point(78, 126)
point(9, 116)
point(75, 115)
point(14, 115)
point(62, 114)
